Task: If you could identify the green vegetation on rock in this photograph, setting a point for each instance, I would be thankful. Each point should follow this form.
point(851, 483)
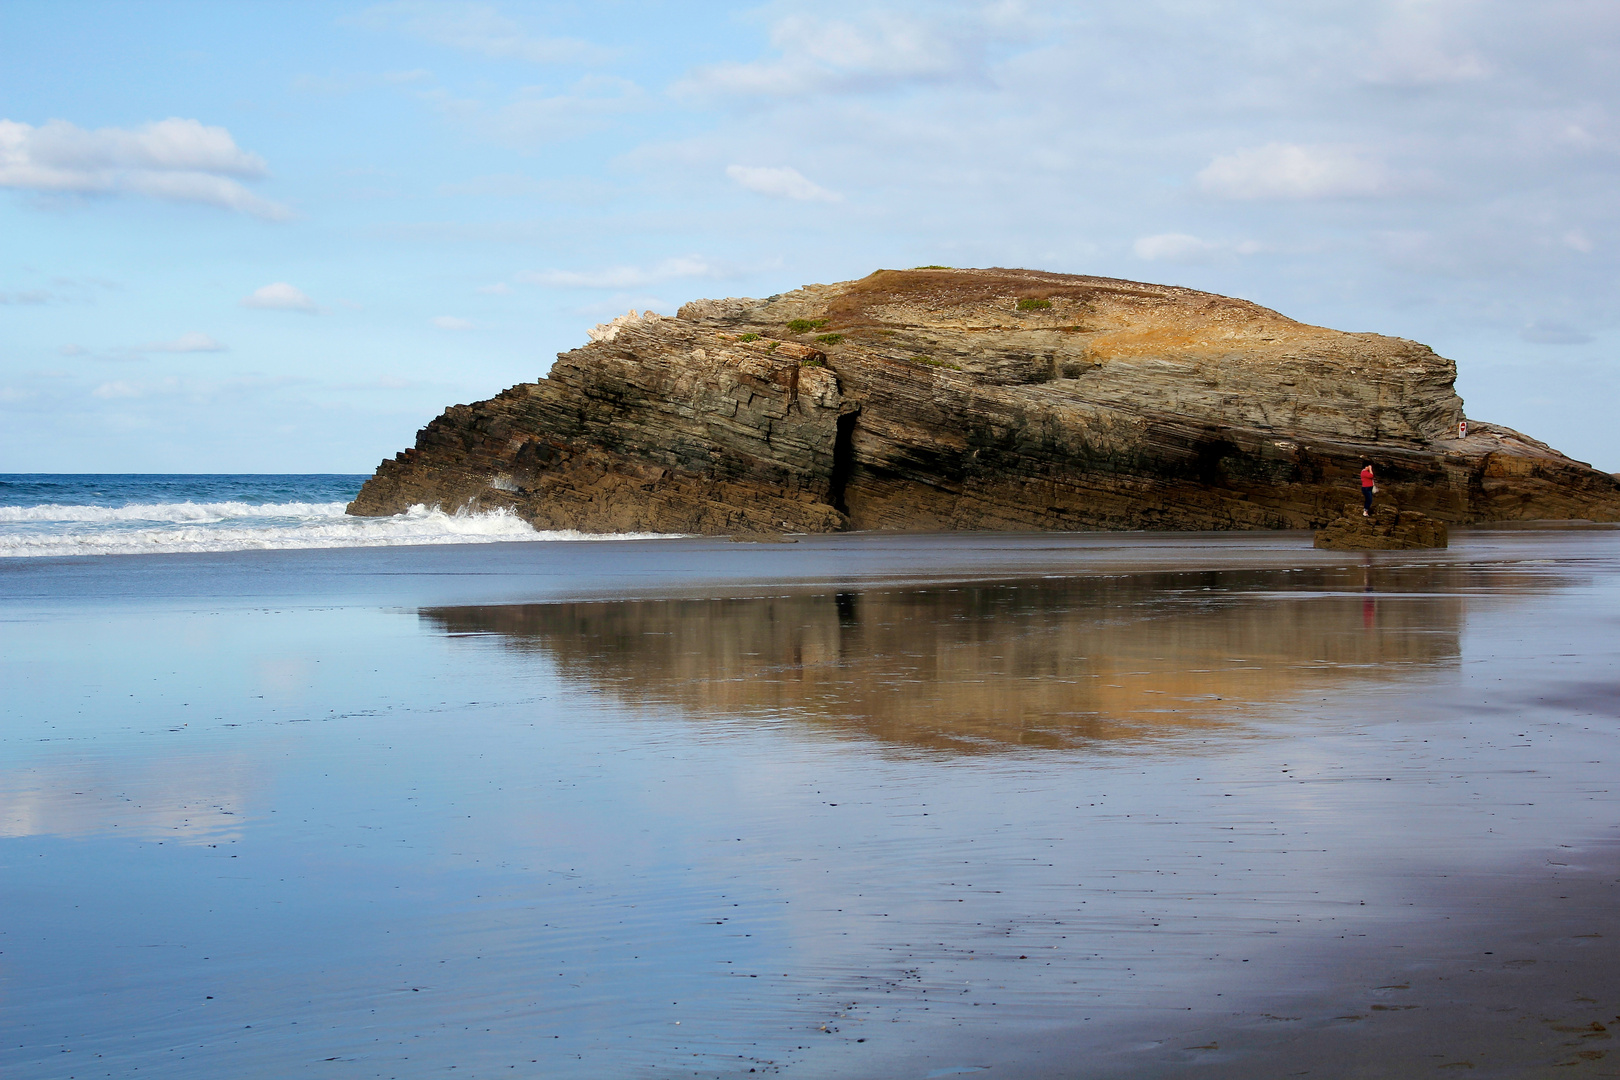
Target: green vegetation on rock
point(1030, 304)
point(829, 339)
point(804, 326)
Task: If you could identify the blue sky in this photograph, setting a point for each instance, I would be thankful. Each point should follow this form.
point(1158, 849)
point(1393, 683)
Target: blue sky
point(282, 237)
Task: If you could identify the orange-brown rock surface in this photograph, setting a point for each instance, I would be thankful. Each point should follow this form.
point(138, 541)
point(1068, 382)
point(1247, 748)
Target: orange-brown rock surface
point(1385, 529)
point(979, 399)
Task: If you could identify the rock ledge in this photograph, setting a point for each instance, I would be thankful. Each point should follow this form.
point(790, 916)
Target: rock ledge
point(1388, 529)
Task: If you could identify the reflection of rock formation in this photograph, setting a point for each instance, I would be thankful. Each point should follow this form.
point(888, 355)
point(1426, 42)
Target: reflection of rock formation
point(993, 666)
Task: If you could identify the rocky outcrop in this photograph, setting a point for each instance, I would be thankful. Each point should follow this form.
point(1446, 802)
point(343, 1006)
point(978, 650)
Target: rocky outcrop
point(978, 399)
point(1385, 529)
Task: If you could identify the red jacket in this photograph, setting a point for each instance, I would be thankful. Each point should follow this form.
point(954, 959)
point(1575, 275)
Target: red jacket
point(1367, 477)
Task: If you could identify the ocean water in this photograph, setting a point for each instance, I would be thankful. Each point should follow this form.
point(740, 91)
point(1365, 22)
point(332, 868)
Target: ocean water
point(46, 514)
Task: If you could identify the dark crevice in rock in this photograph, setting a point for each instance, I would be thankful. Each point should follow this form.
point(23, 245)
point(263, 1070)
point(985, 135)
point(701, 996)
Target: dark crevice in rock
point(843, 461)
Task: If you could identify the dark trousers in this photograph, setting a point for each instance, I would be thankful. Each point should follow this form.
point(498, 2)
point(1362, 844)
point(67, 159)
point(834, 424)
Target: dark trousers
point(1366, 499)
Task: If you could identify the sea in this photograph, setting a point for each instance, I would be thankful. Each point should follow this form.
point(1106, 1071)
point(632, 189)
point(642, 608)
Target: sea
point(57, 514)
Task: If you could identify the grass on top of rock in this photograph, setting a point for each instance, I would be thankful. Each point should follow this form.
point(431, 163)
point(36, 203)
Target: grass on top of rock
point(804, 326)
point(829, 339)
point(934, 267)
point(749, 337)
point(1030, 303)
point(861, 303)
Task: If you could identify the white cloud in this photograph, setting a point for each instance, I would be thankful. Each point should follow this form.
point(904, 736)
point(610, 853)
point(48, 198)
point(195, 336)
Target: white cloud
point(185, 343)
point(110, 390)
point(1291, 171)
point(478, 28)
point(451, 322)
point(624, 277)
point(1184, 248)
point(782, 181)
point(174, 159)
point(500, 288)
point(280, 296)
point(1420, 45)
point(878, 51)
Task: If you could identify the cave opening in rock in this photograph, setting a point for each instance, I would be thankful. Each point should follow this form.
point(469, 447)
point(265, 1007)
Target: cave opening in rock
point(843, 463)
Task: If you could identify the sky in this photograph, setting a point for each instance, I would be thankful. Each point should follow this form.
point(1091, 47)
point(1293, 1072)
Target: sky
point(281, 237)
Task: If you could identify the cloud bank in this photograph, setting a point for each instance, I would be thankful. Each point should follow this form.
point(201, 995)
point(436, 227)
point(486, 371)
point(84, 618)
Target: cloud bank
point(177, 160)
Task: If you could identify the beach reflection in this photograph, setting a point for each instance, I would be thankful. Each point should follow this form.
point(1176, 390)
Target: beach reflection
point(180, 799)
point(984, 668)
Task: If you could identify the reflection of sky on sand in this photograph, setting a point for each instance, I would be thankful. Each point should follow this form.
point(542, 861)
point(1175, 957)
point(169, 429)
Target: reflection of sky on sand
point(613, 839)
point(978, 668)
point(184, 800)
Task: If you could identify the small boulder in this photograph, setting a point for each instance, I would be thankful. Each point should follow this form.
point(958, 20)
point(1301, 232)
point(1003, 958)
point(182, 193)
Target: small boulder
point(1388, 529)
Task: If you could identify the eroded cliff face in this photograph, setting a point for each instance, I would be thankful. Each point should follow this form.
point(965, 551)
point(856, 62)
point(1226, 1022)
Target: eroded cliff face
point(978, 399)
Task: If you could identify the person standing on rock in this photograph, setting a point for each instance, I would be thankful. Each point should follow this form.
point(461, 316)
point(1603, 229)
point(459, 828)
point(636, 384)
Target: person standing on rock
point(1367, 489)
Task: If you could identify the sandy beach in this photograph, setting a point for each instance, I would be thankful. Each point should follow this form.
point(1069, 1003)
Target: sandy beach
point(1077, 805)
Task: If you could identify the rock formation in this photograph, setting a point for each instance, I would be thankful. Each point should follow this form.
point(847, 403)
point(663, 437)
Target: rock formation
point(938, 399)
point(1385, 529)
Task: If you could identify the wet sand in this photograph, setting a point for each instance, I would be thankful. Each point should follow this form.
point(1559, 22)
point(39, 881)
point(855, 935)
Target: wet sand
point(1034, 806)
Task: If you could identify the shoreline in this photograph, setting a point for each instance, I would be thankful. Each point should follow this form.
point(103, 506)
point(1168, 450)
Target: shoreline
point(544, 571)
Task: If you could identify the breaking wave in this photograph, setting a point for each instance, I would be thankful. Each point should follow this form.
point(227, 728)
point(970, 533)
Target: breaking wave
point(139, 528)
point(208, 512)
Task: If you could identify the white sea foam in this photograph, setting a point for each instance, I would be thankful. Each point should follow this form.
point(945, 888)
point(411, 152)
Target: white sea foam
point(170, 512)
point(56, 530)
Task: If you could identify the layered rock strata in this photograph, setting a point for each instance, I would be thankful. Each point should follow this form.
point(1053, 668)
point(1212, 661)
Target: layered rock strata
point(942, 399)
point(1385, 529)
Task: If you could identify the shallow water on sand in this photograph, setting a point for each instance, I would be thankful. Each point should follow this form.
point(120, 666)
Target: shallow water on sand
point(855, 807)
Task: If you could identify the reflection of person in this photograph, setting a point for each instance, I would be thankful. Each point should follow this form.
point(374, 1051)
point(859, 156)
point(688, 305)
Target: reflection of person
point(1369, 607)
point(1367, 488)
